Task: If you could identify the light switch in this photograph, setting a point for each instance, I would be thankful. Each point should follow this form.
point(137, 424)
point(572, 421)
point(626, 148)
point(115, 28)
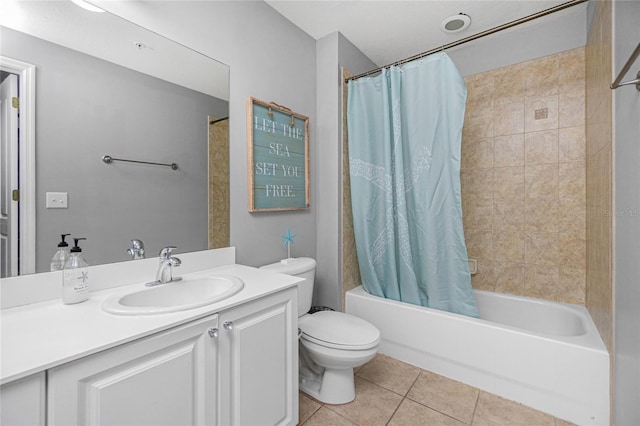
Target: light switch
point(57, 200)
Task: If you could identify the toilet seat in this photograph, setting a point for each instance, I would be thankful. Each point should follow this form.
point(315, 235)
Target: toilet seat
point(339, 330)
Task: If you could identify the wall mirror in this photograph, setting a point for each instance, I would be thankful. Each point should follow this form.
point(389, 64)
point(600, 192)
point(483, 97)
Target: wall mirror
point(105, 86)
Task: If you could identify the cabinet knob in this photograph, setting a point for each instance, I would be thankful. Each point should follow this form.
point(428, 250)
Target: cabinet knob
point(213, 332)
point(228, 325)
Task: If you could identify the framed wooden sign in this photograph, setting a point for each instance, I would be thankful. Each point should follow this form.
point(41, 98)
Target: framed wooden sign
point(278, 157)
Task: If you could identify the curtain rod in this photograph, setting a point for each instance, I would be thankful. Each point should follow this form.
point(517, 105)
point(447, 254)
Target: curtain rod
point(473, 37)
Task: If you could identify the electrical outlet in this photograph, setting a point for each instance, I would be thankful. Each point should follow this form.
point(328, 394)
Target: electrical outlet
point(57, 200)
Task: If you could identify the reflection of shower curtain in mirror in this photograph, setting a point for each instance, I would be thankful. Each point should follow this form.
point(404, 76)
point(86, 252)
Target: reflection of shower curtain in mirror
point(405, 131)
point(218, 183)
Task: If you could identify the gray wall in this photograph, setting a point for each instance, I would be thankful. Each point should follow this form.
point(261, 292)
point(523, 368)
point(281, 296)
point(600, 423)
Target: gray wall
point(270, 59)
point(87, 108)
point(542, 37)
point(332, 52)
point(626, 15)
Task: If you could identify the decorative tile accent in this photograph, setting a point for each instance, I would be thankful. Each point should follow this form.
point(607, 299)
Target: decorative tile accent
point(530, 107)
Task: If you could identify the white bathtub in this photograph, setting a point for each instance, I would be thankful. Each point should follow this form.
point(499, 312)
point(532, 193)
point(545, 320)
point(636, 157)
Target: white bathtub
point(545, 355)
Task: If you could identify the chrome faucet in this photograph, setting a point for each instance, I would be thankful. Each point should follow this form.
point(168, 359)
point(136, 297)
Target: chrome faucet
point(165, 269)
point(137, 249)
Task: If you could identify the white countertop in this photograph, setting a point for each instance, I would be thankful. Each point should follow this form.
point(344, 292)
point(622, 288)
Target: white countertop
point(42, 335)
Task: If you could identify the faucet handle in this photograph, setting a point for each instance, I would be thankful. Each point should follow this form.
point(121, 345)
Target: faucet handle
point(165, 253)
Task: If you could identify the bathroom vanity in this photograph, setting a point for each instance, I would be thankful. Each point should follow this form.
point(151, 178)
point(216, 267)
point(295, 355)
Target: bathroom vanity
point(230, 362)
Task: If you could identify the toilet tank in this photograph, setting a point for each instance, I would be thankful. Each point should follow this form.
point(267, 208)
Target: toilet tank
point(303, 267)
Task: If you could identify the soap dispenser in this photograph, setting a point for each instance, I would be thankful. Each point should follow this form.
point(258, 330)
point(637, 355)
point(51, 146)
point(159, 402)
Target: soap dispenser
point(61, 256)
point(75, 277)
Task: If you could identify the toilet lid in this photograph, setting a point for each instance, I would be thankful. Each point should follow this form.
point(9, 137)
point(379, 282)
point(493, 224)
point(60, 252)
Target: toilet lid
point(339, 330)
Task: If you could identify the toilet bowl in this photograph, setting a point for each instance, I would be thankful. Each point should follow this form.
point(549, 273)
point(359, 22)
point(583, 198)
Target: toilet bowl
point(331, 344)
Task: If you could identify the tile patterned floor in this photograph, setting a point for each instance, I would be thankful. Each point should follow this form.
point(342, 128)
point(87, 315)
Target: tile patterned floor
point(390, 392)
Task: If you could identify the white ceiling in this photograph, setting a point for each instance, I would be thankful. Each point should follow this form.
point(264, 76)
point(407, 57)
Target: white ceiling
point(388, 31)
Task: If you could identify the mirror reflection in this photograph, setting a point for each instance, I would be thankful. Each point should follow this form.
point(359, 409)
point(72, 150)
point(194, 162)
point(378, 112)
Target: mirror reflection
point(106, 87)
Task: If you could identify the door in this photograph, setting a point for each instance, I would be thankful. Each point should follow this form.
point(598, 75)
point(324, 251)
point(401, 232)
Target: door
point(165, 380)
point(259, 362)
point(9, 176)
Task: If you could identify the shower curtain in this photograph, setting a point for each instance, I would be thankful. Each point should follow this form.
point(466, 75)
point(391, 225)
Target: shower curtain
point(405, 130)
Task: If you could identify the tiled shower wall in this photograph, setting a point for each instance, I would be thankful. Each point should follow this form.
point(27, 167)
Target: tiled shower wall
point(599, 293)
point(523, 177)
point(523, 180)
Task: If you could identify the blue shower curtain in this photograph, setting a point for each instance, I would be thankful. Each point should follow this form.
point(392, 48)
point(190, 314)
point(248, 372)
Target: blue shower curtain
point(405, 130)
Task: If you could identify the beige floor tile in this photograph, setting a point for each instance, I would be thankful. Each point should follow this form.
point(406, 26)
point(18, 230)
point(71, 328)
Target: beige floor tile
point(447, 396)
point(411, 413)
point(373, 405)
point(390, 373)
point(493, 410)
point(326, 417)
point(307, 407)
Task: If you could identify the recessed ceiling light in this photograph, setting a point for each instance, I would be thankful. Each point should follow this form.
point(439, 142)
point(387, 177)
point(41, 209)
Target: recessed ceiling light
point(455, 23)
point(87, 6)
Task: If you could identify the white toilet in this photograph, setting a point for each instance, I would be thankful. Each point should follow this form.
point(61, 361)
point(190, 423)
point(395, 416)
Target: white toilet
point(332, 343)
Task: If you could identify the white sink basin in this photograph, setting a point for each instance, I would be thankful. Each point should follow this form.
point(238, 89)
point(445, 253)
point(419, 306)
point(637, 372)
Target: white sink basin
point(181, 295)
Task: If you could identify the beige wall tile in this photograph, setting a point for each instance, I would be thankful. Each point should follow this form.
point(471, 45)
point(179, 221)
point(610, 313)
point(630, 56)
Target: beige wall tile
point(509, 182)
point(479, 243)
point(508, 150)
point(508, 213)
point(476, 211)
point(541, 147)
point(480, 90)
point(509, 277)
point(572, 70)
point(484, 279)
point(542, 77)
point(478, 126)
point(571, 285)
point(571, 144)
point(541, 214)
point(572, 250)
point(477, 154)
point(541, 281)
point(509, 118)
point(509, 84)
point(477, 182)
point(508, 246)
point(550, 104)
point(572, 215)
point(541, 248)
point(571, 109)
point(541, 181)
point(571, 180)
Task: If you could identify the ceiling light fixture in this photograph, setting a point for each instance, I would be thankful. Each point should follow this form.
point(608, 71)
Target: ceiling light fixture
point(87, 6)
point(455, 23)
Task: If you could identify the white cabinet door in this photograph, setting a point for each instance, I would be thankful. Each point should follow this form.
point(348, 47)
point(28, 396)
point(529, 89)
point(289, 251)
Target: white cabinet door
point(166, 379)
point(22, 402)
point(259, 362)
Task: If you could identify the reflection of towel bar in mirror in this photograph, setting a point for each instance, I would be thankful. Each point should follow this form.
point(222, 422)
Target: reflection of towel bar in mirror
point(109, 159)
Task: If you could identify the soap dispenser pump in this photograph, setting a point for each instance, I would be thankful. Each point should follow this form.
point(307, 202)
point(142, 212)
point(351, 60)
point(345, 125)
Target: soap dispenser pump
point(75, 277)
point(62, 255)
